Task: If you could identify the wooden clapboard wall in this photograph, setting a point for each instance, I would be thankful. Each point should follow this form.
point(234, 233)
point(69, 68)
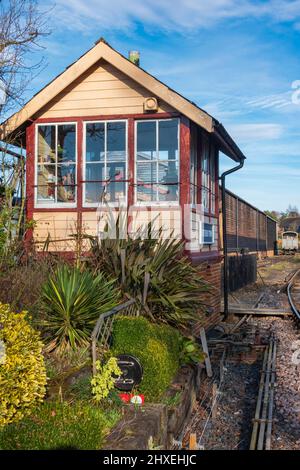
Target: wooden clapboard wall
point(102, 90)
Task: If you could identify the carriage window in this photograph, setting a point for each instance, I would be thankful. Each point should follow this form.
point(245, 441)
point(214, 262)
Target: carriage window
point(105, 162)
point(157, 160)
point(56, 164)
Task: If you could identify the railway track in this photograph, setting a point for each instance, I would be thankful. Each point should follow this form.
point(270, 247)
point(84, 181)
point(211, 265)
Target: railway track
point(263, 420)
point(293, 293)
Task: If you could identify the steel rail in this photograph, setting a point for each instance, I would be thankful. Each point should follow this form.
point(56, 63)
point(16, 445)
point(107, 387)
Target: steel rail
point(290, 286)
point(263, 418)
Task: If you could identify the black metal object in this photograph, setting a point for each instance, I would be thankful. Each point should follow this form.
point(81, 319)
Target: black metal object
point(132, 372)
point(224, 228)
point(242, 270)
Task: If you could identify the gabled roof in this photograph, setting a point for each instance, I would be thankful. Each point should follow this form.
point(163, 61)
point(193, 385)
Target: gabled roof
point(102, 50)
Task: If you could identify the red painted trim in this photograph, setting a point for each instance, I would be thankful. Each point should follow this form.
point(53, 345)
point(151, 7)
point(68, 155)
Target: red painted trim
point(79, 174)
point(106, 117)
point(199, 165)
point(131, 171)
point(30, 166)
point(94, 209)
point(53, 209)
point(184, 173)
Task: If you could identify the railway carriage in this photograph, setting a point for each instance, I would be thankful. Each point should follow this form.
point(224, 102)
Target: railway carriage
point(290, 241)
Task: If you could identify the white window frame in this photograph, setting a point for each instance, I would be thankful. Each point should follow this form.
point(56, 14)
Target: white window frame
point(54, 205)
point(155, 203)
point(201, 233)
point(103, 121)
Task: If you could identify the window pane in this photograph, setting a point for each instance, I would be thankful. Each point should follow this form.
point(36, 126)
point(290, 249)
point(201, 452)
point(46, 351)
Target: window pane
point(66, 183)
point(116, 171)
point(46, 183)
point(66, 143)
point(168, 174)
point(168, 139)
point(95, 172)
point(208, 233)
point(116, 141)
point(205, 157)
point(46, 144)
point(146, 182)
point(205, 198)
point(168, 192)
point(146, 140)
point(116, 186)
point(95, 142)
point(94, 192)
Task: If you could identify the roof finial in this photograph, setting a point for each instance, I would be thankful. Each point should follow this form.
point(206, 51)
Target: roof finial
point(101, 39)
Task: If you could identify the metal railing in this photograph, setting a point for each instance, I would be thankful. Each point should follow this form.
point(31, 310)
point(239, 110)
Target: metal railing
point(102, 332)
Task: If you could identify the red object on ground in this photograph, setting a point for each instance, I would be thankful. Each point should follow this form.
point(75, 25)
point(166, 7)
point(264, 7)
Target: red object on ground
point(126, 397)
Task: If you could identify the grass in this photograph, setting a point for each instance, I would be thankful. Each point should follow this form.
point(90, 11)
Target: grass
point(54, 425)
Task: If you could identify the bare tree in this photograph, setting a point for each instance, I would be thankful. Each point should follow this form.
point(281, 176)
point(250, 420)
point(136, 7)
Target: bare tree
point(22, 25)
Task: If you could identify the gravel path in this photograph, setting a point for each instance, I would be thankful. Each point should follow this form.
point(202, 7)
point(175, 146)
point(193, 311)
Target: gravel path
point(235, 406)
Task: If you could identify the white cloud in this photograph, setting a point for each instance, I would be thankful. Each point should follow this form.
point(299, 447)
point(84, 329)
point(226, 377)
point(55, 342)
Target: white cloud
point(167, 14)
point(254, 132)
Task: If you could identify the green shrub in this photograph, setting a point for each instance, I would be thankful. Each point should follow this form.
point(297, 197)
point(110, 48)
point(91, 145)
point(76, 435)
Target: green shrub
point(175, 290)
point(156, 346)
point(103, 381)
point(60, 426)
point(22, 369)
point(73, 302)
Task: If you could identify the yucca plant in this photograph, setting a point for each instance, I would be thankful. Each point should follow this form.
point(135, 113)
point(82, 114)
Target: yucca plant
point(155, 272)
point(73, 301)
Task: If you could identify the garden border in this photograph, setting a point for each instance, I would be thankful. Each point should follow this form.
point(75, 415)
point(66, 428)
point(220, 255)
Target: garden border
point(158, 425)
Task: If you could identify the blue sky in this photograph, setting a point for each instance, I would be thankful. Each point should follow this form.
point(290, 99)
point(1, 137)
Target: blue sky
point(236, 59)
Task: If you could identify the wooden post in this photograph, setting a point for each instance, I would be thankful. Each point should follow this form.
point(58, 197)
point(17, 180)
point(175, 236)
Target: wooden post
point(214, 403)
point(205, 350)
point(193, 442)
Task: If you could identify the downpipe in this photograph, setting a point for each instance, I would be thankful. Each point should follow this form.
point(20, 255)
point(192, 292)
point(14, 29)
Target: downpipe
point(225, 242)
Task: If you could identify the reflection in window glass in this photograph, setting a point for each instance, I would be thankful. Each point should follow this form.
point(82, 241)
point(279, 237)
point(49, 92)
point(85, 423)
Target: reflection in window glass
point(95, 142)
point(146, 174)
point(194, 166)
point(146, 140)
point(95, 173)
point(116, 141)
point(56, 164)
point(106, 160)
point(66, 143)
point(46, 144)
point(168, 139)
point(205, 176)
point(157, 141)
point(66, 183)
point(167, 179)
point(46, 183)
